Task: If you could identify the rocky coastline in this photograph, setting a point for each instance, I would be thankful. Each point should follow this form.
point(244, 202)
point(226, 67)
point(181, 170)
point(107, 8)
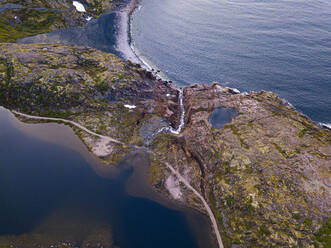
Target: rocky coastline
point(266, 174)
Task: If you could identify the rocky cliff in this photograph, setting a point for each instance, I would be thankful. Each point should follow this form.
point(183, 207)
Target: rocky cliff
point(266, 173)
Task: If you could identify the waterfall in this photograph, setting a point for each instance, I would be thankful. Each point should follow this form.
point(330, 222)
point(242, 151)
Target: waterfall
point(132, 54)
point(182, 117)
point(182, 114)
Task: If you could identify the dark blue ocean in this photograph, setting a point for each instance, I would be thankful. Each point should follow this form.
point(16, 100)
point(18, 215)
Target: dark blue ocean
point(282, 46)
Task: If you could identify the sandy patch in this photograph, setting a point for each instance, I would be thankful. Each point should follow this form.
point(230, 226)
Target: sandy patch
point(172, 185)
point(100, 147)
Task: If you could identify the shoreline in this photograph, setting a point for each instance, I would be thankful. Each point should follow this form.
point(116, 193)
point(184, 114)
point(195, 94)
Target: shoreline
point(174, 171)
point(136, 184)
point(129, 11)
point(124, 28)
point(132, 6)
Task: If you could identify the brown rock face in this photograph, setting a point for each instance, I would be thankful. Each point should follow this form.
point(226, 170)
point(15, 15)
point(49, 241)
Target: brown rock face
point(88, 86)
point(266, 172)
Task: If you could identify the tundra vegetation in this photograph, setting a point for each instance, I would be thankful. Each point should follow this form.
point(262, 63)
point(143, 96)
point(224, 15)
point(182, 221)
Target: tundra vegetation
point(20, 18)
point(266, 174)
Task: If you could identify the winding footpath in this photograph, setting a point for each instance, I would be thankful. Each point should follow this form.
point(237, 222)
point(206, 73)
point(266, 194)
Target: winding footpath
point(69, 122)
point(188, 185)
point(169, 166)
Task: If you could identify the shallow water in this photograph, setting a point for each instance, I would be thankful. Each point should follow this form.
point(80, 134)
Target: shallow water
point(99, 33)
point(282, 46)
point(50, 192)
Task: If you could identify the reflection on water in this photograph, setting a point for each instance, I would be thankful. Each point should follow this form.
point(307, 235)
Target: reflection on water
point(49, 193)
point(100, 34)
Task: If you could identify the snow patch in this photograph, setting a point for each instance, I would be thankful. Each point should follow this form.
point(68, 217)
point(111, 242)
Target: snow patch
point(130, 106)
point(89, 18)
point(79, 7)
point(172, 185)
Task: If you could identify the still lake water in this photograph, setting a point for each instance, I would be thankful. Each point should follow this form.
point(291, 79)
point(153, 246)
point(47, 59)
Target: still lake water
point(282, 46)
point(221, 116)
point(50, 193)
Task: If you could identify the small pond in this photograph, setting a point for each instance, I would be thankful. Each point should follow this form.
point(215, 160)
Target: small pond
point(221, 116)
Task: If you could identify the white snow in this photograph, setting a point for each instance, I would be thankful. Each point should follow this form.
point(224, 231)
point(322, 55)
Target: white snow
point(89, 18)
point(79, 7)
point(168, 95)
point(130, 106)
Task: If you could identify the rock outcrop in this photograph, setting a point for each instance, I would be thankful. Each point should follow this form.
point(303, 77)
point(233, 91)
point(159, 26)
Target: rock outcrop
point(266, 174)
point(89, 87)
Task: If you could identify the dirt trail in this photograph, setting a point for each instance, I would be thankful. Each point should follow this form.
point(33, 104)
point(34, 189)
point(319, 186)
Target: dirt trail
point(172, 169)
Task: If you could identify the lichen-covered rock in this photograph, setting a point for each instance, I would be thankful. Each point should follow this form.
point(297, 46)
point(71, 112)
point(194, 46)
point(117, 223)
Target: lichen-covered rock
point(89, 87)
point(266, 174)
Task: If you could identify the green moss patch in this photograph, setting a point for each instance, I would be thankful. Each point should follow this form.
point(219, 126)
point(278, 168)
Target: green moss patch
point(28, 22)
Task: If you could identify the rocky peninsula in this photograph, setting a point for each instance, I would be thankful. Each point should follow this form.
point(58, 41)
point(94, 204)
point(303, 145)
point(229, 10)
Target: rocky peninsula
point(266, 174)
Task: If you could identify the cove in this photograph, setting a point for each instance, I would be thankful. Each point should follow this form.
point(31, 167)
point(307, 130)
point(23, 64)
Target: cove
point(50, 193)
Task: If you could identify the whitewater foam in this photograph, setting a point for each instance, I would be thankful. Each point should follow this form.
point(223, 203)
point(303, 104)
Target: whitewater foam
point(126, 47)
point(325, 125)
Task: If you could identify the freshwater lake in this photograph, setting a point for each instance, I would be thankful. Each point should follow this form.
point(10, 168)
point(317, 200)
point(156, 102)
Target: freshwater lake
point(53, 190)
